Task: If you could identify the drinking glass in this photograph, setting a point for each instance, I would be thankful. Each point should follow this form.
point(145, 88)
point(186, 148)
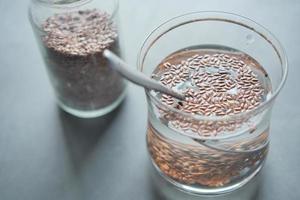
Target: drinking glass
point(211, 164)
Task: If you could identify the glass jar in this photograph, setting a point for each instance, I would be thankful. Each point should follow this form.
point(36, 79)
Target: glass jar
point(72, 35)
point(202, 153)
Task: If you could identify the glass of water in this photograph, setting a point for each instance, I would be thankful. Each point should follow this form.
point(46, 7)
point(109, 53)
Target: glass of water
point(231, 70)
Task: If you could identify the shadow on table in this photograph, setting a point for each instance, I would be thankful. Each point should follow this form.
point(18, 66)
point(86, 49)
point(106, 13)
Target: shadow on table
point(163, 190)
point(82, 135)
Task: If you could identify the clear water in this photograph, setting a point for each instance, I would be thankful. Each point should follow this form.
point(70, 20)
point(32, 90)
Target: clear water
point(209, 165)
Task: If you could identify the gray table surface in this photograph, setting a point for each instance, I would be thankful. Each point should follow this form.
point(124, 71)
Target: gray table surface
point(45, 154)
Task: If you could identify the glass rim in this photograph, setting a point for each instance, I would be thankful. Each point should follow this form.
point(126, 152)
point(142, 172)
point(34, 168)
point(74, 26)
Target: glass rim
point(225, 17)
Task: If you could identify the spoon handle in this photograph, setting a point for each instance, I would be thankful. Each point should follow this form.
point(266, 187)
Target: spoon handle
point(138, 77)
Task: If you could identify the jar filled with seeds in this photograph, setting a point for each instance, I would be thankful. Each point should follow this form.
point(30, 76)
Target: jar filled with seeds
point(230, 70)
point(72, 34)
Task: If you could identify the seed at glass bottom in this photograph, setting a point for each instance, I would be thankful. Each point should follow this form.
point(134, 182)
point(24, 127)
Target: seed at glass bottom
point(200, 165)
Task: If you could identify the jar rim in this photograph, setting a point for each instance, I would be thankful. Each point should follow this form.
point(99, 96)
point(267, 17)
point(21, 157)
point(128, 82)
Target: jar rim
point(62, 3)
point(69, 5)
point(216, 16)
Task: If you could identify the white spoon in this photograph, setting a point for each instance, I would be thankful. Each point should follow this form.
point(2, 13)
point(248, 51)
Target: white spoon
point(138, 77)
